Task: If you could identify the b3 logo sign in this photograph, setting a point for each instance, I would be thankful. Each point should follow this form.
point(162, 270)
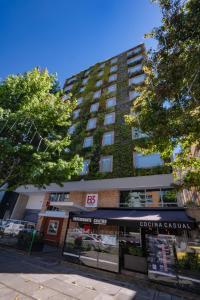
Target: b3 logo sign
point(91, 200)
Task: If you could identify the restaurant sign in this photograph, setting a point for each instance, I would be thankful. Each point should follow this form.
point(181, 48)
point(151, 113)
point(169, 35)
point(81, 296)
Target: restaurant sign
point(165, 225)
point(98, 221)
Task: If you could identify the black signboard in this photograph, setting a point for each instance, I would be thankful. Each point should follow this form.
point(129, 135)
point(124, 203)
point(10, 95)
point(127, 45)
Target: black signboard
point(161, 255)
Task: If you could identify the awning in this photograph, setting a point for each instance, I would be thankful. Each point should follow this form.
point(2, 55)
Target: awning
point(161, 218)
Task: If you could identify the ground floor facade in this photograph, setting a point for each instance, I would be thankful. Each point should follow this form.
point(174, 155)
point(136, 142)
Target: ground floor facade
point(149, 243)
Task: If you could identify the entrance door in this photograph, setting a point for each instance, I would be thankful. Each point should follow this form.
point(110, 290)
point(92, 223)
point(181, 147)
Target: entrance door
point(52, 230)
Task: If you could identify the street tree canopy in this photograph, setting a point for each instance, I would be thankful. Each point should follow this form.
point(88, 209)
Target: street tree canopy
point(168, 107)
point(34, 122)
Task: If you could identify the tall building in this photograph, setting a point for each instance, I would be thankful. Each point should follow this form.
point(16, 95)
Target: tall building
point(105, 93)
point(114, 174)
point(121, 211)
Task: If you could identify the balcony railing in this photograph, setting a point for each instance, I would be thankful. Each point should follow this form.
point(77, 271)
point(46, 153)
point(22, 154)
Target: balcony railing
point(152, 205)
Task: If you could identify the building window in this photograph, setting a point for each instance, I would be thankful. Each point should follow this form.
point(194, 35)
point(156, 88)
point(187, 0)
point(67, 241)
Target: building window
point(88, 142)
point(85, 80)
point(53, 227)
point(109, 118)
point(134, 59)
point(110, 102)
point(76, 113)
point(68, 88)
point(87, 72)
point(71, 129)
point(112, 77)
point(113, 69)
point(99, 83)
point(112, 88)
point(86, 164)
point(102, 65)
point(114, 60)
point(147, 161)
point(106, 164)
point(59, 197)
point(134, 51)
point(94, 107)
point(71, 80)
point(100, 73)
point(79, 100)
point(134, 69)
point(97, 94)
point(108, 138)
point(137, 79)
point(91, 123)
point(138, 134)
point(82, 89)
point(133, 95)
point(148, 198)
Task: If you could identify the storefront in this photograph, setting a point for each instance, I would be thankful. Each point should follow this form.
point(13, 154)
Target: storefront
point(147, 240)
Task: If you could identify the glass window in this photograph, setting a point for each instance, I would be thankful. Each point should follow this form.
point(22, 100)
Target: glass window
point(137, 79)
point(147, 161)
point(106, 163)
point(109, 118)
point(53, 227)
point(112, 77)
point(87, 72)
point(71, 80)
point(113, 69)
point(99, 83)
point(108, 138)
point(100, 73)
point(88, 142)
point(134, 59)
point(68, 87)
point(134, 51)
point(97, 94)
point(76, 113)
point(82, 89)
point(138, 134)
point(112, 88)
point(110, 102)
point(86, 164)
point(133, 95)
point(102, 65)
point(94, 107)
point(114, 60)
point(134, 69)
point(85, 80)
point(79, 100)
point(71, 129)
point(91, 123)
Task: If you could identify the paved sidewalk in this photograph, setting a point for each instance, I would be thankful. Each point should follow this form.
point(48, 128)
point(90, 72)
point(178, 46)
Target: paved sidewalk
point(25, 277)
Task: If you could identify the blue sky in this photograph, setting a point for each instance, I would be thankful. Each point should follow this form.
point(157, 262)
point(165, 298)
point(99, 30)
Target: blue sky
point(68, 36)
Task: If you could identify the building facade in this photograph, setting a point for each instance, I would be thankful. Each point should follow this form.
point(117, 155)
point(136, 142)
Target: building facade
point(111, 212)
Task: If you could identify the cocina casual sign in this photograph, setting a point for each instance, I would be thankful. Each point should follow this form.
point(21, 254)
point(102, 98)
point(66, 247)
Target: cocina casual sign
point(91, 200)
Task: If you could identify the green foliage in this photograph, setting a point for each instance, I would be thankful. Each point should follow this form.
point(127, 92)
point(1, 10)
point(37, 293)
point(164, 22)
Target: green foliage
point(34, 120)
point(168, 108)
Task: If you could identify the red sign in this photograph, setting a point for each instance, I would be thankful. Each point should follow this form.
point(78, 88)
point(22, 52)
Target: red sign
point(91, 200)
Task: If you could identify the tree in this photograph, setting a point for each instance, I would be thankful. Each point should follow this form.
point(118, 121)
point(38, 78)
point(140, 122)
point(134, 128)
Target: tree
point(168, 108)
point(34, 121)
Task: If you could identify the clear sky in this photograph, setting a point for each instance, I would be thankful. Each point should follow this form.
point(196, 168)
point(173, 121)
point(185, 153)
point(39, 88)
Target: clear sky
point(68, 36)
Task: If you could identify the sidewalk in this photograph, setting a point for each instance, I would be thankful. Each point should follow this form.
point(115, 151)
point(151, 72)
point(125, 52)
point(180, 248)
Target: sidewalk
point(46, 276)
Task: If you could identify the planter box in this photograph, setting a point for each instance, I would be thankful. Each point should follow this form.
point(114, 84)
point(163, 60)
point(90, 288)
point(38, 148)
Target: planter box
point(135, 263)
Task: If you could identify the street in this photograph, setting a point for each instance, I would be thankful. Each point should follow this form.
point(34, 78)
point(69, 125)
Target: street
point(24, 277)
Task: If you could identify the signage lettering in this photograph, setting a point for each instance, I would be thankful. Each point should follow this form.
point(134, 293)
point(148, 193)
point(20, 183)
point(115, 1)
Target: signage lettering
point(165, 225)
point(79, 219)
point(100, 221)
point(91, 200)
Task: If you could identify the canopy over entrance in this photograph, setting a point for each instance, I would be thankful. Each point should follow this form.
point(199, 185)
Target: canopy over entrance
point(163, 218)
